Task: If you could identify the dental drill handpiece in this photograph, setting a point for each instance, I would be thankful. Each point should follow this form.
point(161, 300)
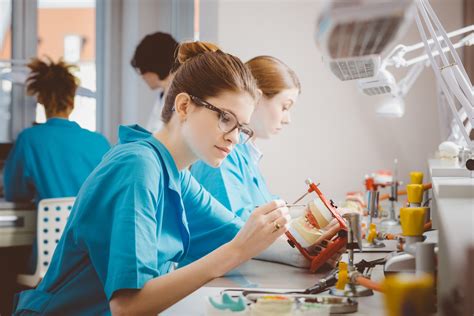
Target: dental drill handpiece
point(373, 204)
point(394, 191)
point(354, 236)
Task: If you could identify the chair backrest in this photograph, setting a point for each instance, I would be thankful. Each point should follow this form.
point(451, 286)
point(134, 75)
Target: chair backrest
point(52, 218)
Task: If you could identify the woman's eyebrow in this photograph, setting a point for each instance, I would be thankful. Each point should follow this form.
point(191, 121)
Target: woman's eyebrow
point(232, 112)
point(227, 110)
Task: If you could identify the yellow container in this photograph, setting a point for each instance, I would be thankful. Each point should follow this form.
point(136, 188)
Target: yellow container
point(409, 294)
point(415, 193)
point(416, 177)
point(372, 233)
point(412, 220)
point(343, 276)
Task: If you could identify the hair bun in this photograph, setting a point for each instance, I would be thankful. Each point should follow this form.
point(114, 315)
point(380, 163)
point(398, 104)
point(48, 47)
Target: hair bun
point(190, 50)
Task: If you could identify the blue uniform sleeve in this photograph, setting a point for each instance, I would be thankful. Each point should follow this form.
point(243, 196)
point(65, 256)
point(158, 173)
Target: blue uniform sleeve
point(18, 185)
point(120, 235)
point(210, 224)
point(226, 184)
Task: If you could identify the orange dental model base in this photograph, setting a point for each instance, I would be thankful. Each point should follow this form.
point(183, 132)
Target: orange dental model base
point(337, 238)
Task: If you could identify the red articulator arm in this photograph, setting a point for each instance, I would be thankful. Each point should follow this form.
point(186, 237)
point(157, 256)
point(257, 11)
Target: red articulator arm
point(335, 245)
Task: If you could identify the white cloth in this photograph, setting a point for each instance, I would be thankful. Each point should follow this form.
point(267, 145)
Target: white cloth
point(280, 251)
point(154, 121)
point(254, 151)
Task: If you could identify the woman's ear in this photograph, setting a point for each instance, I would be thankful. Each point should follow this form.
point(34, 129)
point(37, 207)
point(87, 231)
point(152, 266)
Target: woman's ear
point(182, 106)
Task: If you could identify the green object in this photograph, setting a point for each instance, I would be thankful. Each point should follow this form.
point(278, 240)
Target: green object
point(228, 303)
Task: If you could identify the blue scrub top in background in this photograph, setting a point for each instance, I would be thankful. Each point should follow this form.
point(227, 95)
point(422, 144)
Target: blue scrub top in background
point(134, 216)
point(237, 183)
point(52, 160)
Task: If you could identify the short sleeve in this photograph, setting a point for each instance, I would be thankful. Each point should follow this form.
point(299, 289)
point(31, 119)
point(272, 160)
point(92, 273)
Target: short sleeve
point(18, 185)
point(210, 223)
point(120, 232)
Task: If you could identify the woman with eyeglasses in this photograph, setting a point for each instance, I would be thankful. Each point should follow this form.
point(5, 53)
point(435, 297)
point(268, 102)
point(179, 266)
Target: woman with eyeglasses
point(238, 183)
point(140, 210)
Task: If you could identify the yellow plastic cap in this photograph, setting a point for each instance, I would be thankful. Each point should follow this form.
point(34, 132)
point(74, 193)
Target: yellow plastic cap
point(372, 233)
point(416, 177)
point(415, 193)
point(412, 220)
point(407, 290)
point(342, 276)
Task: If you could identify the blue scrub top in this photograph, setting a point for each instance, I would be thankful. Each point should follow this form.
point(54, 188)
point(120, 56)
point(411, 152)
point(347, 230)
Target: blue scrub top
point(134, 216)
point(238, 183)
point(52, 160)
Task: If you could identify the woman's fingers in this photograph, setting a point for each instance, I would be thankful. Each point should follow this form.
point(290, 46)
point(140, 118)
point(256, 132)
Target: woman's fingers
point(277, 213)
point(282, 222)
point(269, 207)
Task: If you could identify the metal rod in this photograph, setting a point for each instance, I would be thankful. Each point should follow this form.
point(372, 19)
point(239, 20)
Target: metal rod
point(295, 205)
point(302, 197)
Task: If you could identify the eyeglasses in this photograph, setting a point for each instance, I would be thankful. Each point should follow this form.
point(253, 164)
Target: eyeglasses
point(227, 121)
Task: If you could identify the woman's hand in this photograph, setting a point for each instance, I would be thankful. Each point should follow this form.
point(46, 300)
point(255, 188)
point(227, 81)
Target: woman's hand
point(264, 226)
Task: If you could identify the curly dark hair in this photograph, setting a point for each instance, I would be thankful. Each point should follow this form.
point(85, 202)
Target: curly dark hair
point(53, 84)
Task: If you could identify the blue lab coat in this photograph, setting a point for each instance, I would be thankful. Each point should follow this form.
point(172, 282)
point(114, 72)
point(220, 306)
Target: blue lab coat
point(51, 160)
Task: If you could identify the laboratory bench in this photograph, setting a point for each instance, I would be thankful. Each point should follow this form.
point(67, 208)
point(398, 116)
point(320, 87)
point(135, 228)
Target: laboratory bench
point(257, 274)
point(17, 233)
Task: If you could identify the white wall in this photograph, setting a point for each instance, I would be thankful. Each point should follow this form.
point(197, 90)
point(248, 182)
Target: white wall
point(124, 97)
point(335, 137)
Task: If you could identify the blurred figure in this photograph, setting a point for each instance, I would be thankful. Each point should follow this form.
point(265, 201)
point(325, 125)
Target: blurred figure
point(154, 60)
point(52, 159)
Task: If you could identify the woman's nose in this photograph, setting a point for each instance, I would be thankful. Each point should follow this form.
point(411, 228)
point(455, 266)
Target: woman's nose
point(287, 118)
point(233, 136)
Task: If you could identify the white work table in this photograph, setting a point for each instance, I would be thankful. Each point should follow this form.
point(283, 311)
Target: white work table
point(453, 214)
point(256, 274)
point(17, 224)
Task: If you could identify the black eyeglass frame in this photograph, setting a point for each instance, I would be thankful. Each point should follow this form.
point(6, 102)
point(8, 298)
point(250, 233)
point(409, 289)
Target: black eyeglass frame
point(247, 130)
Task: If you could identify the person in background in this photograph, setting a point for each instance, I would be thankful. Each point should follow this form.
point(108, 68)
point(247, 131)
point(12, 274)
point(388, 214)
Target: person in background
point(49, 160)
point(154, 59)
point(53, 159)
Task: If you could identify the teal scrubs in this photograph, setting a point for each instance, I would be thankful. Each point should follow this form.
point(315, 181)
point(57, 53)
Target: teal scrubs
point(51, 160)
point(135, 216)
point(238, 182)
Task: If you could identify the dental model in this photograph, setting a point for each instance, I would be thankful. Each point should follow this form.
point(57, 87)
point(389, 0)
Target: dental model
point(273, 306)
point(354, 202)
point(321, 233)
point(383, 177)
point(308, 229)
